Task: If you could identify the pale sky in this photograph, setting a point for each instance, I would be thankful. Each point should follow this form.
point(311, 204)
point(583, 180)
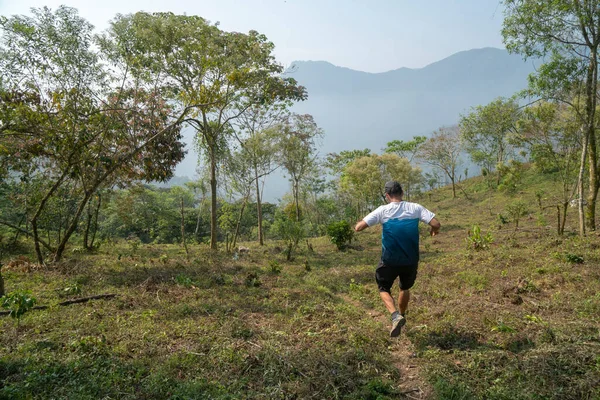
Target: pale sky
point(372, 36)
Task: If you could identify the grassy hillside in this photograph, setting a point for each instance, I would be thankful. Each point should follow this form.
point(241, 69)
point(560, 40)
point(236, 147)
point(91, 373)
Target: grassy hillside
point(517, 319)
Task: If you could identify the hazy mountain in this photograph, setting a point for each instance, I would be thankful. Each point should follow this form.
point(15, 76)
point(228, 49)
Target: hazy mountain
point(366, 110)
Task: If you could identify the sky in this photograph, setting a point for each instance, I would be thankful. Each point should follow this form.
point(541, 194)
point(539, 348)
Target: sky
point(365, 35)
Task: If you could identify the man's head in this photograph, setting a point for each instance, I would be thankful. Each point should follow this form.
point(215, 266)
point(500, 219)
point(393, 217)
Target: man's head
point(393, 191)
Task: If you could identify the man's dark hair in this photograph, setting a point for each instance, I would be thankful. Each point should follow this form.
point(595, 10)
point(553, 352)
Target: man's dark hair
point(394, 189)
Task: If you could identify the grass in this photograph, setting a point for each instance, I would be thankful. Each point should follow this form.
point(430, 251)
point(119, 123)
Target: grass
point(519, 319)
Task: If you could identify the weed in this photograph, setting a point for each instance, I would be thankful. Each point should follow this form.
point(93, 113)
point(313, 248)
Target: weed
point(574, 258)
point(184, 280)
point(18, 303)
point(475, 240)
point(502, 327)
point(275, 267)
point(252, 280)
point(71, 290)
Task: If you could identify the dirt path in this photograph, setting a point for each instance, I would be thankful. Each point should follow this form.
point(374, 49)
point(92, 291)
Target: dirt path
point(412, 383)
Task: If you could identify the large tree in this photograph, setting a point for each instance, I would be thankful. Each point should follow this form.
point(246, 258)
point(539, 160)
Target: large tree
point(215, 76)
point(75, 121)
point(567, 34)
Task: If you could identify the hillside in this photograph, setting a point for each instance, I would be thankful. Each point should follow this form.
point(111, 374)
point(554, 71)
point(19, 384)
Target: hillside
point(516, 318)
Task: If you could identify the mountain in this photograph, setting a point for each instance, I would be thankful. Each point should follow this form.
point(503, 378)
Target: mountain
point(366, 110)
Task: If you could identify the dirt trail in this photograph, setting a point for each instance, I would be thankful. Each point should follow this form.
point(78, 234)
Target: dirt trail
point(412, 383)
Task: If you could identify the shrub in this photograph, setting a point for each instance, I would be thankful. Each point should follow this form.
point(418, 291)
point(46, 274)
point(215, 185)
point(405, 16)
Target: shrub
point(475, 240)
point(340, 233)
point(18, 304)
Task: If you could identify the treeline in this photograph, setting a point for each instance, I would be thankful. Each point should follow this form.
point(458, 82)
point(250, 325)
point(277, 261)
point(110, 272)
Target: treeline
point(85, 117)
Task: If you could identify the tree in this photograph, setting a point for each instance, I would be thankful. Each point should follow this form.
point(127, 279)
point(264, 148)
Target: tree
point(568, 32)
point(442, 150)
point(74, 120)
point(550, 132)
point(365, 178)
point(297, 146)
point(404, 149)
point(214, 76)
point(258, 142)
point(486, 131)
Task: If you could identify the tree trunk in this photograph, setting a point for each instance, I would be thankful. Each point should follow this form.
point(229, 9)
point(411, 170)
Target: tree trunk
point(72, 226)
point(591, 91)
point(239, 221)
point(580, 188)
point(96, 213)
point(183, 229)
point(34, 228)
point(296, 199)
point(88, 223)
point(259, 210)
point(213, 200)
point(564, 218)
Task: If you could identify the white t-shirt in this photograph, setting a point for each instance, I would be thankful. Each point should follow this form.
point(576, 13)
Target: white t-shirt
point(400, 234)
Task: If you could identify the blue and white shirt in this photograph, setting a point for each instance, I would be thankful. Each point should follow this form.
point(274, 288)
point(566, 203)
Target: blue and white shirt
point(400, 235)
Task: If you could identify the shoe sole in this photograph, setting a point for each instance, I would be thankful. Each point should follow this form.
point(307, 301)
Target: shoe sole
point(398, 328)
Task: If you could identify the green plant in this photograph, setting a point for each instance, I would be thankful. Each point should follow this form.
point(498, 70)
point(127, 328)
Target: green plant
point(72, 290)
point(18, 303)
point(477, 241)
point(252, 280)
point(516, 210)
point(184, 280)
point(574, 258)
point(340, 233)
point(275, 267)
point(502, 327)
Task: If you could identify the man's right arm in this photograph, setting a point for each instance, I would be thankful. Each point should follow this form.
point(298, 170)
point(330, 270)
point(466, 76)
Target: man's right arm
point(435, 226)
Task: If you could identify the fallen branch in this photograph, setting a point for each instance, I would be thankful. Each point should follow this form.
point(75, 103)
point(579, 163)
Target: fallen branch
point(69, 302)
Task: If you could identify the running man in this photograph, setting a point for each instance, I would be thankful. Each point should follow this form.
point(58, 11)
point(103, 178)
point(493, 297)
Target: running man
point(399, 248)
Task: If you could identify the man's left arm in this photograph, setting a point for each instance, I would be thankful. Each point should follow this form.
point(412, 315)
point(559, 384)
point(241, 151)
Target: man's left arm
point(360, 225)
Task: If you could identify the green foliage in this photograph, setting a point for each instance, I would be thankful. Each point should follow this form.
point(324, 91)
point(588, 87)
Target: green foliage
point(18, 303)
point(516, 210)
point(71, 290)
point(477, 241)
point(275, 267)
point(511, 174)
point(252, 280)
point(574, 258)
point(340, 233)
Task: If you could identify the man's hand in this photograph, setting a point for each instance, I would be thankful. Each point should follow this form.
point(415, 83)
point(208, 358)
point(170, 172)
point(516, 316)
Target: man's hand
point(435, 227)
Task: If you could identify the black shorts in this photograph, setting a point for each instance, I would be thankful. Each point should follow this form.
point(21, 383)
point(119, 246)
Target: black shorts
point(386, 275)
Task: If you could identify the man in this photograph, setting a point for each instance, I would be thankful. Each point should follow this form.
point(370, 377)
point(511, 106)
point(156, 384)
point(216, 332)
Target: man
point(399, 248)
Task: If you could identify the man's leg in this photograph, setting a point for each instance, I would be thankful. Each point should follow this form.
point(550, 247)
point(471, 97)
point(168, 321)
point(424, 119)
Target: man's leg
point(403, 299)
point(388, 300)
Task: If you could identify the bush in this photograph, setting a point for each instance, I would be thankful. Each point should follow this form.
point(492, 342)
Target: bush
point(475, 240)
point(18, 304)
point(340, 233)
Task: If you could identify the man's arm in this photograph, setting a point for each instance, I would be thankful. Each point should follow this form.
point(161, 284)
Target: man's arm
point(360, 225)
point(435, 226)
